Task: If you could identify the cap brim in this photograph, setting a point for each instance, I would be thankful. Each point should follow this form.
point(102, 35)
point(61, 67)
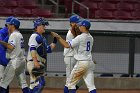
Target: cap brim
point(79, 24)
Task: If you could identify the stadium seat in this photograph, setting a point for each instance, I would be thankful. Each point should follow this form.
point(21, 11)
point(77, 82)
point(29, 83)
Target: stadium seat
point(61, 2)
point(68, 6)
point(11, 3)
point(136, 15)
point(103, 14)
point(124, 15)
point(41, 13)
point(107, 6)
point(125, 6)
point(97, 1)
point(131, 1)
point(113, 1)
point(30, 4)
point(22, 12)
point(2, 4)
point(5, 11)
point(90, 5)
point(83, 12)
point(137, 6)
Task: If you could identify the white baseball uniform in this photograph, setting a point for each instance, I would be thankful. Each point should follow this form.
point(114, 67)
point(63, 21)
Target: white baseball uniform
point(69, 56)
point(40, 53)
point(16, 66)
point(84, 66)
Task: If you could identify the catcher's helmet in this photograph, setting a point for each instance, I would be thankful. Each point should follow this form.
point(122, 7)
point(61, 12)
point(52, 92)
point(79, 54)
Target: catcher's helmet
point(74, 19)
point(40, 21)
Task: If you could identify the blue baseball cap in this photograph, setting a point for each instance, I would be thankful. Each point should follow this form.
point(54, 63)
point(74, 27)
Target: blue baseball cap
point(14, 21)
point(85, 23)
point(74, 19)
point(8, 20)
point(40, 21)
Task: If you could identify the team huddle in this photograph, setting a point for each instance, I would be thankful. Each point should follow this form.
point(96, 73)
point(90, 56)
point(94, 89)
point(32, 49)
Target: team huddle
point(77, 55)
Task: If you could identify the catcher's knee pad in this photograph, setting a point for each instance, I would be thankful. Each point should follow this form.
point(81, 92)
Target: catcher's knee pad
point(42, 80)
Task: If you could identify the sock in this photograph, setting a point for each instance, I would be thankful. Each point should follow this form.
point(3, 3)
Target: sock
point(25, 90)
point(72, 90)
point(93, 91)
point(66, 90)
point(7, 90)
point(2, 90)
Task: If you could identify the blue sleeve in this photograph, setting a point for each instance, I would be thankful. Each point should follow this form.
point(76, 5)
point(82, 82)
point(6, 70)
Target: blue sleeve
point(39, 39)
point(1, 37)
point(6, 39)
point(48, 49)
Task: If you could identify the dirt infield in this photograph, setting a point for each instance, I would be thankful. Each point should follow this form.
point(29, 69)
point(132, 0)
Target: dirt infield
point(80, 91)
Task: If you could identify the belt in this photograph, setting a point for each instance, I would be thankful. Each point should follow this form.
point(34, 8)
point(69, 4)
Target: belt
point(32, 60)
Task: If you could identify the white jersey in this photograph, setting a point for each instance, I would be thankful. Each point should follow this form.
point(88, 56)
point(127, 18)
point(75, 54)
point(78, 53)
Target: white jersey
point(83, 43)
point(32, 43)
point(69, 51)
point(17, 41)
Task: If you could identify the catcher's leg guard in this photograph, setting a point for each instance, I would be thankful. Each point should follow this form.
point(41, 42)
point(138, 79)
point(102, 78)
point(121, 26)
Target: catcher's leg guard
point(25, 90)
point(93, 91)
point(72, 91)
point(42, 80)
point(35, 90)
point(66, 90)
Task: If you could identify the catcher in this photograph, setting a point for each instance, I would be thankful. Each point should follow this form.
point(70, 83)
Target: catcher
point(38, 48)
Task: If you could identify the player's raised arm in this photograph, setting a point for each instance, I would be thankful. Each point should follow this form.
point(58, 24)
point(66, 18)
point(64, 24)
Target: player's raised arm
point(61, 40)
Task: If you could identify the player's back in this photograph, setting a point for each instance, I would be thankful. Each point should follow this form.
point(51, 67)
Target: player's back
point(16, 40)
point(85, 47)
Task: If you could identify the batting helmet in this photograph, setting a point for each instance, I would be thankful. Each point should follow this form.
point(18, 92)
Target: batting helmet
point(85, 23)
point(74, 19)
point(8, 19)
point(15, 22)
point(40, 21)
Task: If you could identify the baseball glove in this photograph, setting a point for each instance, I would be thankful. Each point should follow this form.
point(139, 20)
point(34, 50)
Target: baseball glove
point(38, 71)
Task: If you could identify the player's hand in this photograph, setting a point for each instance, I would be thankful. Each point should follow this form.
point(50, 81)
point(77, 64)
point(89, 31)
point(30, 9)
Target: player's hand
point(37, 65)
point(55, 35)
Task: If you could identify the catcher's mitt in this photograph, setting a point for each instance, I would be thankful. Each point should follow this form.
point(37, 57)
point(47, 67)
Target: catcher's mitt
point(38, 71)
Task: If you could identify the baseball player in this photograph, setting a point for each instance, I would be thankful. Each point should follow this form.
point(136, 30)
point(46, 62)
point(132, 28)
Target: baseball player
point(16, 54)
point(3, 60)
point(38, 48)
point(69, 52)
point(84, 66)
